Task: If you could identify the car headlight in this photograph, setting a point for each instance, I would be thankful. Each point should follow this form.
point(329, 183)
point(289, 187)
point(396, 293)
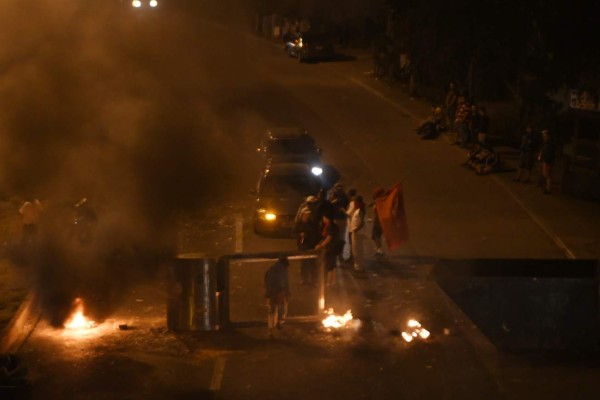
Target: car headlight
point(316, 171)
point(267, 215)
point(136, 3)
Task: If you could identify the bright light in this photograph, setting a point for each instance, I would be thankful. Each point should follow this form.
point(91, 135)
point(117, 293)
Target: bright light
point(336, 321)
point(415, 330)
point(414, 324)
point(270, 217)
point(136, 3)
point(77, 320)
point(316, 171)
point(407, 337)
point(153, 3)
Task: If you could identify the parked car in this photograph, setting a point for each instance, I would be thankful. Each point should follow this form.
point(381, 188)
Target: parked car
point(310, 46)
point(280, 190)
point(290, 145)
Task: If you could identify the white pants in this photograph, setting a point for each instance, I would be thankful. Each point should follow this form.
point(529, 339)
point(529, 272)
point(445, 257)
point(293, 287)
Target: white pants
point(357, 248)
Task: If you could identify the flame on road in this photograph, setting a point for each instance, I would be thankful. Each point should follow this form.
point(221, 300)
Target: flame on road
point(77, 320)
point(415, 330)
point(333, 321)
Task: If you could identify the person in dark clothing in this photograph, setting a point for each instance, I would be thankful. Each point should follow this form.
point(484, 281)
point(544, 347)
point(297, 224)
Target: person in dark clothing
point(450, 105)
point(526, 156)
point(377, 231)
point(277, 293)
point(474, 125)
point(330, 243)
point(546, 157)
point(308, 235)
point(339, 201)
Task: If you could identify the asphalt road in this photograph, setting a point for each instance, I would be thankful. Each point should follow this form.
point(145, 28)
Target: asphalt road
point(240, 85)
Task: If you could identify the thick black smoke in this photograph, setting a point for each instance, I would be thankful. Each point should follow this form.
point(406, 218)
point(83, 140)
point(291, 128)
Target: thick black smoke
point(100, 102)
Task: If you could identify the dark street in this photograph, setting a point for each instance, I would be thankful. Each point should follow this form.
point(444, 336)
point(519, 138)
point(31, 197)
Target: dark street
point(155, 116)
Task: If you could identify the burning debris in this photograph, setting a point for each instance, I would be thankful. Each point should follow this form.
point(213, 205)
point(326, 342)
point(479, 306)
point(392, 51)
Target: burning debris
point(334, 321)
point(77, 319)
point(414, 331)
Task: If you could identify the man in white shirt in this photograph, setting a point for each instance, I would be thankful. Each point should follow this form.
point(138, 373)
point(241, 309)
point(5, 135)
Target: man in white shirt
point(30, 212)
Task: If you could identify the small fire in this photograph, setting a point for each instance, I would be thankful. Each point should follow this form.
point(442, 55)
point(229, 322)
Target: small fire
point(78, 320)
point(336, 321)
point(415, 330)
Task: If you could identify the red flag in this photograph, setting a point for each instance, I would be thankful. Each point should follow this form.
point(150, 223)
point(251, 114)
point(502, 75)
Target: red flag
point(390, 210)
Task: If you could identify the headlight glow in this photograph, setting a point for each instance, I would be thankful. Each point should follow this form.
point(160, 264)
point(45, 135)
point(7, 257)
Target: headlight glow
point(317, 171)
point(270, 217)
point(153, 3)
point(266, 215)
point(136, 3)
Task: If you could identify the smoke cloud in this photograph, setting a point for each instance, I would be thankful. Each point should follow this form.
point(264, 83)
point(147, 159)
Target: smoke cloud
point(100, 102)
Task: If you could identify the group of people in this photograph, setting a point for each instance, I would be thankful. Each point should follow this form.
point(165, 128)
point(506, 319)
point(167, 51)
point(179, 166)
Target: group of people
point(323, 222)
point(467, 119)
point(470, 122)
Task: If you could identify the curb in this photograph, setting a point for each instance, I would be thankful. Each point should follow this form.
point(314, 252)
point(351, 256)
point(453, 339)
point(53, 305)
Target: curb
point(20, 327)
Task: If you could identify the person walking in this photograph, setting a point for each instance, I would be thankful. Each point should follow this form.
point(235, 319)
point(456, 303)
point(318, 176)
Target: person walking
point(277, 293)
point(526, 156)
point(546, 157)
point(355, 226)
point(377, 231)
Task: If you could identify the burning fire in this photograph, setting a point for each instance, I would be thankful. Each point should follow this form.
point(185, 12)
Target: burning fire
point(77, 320)
point(336, 321)
point(415, 330)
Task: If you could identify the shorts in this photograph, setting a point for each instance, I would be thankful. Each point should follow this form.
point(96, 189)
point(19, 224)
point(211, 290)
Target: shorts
point(329, 261)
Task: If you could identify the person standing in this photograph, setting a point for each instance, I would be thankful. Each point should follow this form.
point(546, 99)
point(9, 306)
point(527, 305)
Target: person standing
point(377, 231)
point(526, 156)
point(355, 225)
point(30, 211)
point(546, 157)
point(307, 237)
point(277, 293)
point(462, 121)
point(330, 243)
point(339, 201)
point(450, 105)
point(352, 193)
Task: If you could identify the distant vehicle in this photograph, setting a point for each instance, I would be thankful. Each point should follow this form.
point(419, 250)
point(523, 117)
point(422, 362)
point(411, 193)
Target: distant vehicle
point(290, 145)
point(280, 191)
point(310, 46)
point(144, 3)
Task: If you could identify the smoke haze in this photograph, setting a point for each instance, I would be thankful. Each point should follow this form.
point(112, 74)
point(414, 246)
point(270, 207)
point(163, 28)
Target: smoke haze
point(103, 103)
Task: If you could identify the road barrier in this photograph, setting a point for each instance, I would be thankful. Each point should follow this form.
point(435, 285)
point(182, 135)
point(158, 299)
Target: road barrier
point(527, 304)
point(199, 288)
point(193, 294)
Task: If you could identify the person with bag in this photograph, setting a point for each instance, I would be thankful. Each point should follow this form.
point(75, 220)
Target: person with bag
point(277, 293)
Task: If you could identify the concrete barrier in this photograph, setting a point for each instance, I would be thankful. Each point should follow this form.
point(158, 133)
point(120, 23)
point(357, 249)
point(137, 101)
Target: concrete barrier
point(527, 304)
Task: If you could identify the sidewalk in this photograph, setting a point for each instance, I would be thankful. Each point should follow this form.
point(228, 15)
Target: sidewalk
point(573, 224)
